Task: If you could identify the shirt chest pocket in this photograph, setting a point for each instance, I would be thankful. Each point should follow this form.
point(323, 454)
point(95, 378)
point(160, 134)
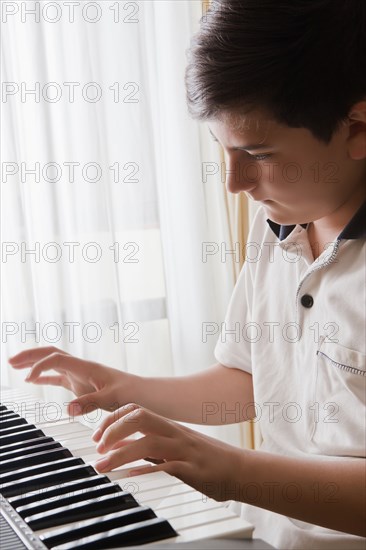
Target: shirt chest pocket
point(338, 422)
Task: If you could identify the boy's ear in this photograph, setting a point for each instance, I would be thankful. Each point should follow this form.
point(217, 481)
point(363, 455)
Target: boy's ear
point(356, 141)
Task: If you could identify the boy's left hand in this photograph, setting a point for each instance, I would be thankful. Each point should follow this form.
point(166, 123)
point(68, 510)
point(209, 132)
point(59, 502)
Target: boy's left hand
point(208, 465)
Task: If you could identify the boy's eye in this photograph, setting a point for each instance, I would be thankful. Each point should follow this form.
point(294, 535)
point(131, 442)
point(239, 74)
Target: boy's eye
point(261, 157)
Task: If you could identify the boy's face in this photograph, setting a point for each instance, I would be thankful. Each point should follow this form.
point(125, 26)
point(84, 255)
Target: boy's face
point(301, 181)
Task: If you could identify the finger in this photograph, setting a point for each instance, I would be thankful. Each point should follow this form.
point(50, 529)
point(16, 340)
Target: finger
point(30, 356)
point(89, 402)
point(59, 380)
point(156, 446)
point(139, 420)
point(144, 470)
point(113, 417)
point(154, 460)
point(56, 361)
point(122, 443)
point(86, 403)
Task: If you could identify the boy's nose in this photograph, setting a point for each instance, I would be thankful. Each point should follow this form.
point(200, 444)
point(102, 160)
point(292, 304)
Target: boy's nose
point(238, 178)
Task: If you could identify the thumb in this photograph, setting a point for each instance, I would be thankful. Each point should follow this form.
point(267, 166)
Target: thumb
point(85, 404)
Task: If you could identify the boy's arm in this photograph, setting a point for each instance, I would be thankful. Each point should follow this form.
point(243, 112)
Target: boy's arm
point(330, 493)
point(216, 395)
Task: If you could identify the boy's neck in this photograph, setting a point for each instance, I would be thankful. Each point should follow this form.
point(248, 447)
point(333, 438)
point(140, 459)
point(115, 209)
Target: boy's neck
point(337, 220)
point(325, 230)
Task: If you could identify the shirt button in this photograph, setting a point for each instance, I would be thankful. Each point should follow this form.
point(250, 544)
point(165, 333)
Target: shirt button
point(307, 300)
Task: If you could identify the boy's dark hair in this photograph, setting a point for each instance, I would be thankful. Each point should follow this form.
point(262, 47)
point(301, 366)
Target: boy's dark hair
point(301, 60)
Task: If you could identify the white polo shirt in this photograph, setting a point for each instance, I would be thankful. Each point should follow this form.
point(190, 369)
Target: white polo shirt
point(298, 326)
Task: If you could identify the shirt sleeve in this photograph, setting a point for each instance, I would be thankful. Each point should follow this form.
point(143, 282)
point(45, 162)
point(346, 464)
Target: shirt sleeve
point(233, 348)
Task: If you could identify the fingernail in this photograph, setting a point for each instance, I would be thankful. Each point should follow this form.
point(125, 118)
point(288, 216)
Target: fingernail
point(102, 465)
point(97, 434)
point(27, 378)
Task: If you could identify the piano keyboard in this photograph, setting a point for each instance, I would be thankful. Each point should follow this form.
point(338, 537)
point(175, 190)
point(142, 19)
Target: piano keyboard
point(51, 496)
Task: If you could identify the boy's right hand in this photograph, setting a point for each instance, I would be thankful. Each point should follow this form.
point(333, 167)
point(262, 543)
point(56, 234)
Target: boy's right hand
point(95, 385)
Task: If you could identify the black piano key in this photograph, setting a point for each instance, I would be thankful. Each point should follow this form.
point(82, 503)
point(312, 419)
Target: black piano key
point(29, 449)
point(92, 527)
point(14, 429)
point(3, 408)
point(81, 510)
point(36, 483)
point(34, 459)
point(40, 469)
point(16, 435)
point(143, 532)
point(11, 421)
point(59, 489)
point(6, 414)
point(26, 443)
point(65, 500)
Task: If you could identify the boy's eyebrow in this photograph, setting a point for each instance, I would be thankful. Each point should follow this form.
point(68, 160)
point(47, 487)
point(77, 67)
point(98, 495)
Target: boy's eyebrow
point(246, 147)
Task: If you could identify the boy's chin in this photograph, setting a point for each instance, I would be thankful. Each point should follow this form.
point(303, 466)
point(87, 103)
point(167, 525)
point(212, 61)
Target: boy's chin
point(280, 214)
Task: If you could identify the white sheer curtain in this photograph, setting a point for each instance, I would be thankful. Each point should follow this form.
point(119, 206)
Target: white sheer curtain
point(106, 208)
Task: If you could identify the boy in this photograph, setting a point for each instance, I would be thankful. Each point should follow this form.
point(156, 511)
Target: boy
point(283, 88)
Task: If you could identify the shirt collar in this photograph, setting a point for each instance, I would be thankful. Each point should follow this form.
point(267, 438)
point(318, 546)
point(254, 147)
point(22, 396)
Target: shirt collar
point(355, 229)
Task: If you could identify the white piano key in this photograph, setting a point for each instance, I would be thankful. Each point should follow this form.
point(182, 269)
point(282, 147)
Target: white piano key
point(188, 495)
point(79, 446)
point(200, 518)
point(15, 396)
point(160, 498)
point(233, 528)
point(167, 497)
point(182, 508)
point(145, 484)
point(189, 508)
point(68, 429)
point(47, 418)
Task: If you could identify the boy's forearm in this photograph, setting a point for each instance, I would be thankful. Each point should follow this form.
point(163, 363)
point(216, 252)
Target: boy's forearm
point(217, 395)
point(323, 492)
